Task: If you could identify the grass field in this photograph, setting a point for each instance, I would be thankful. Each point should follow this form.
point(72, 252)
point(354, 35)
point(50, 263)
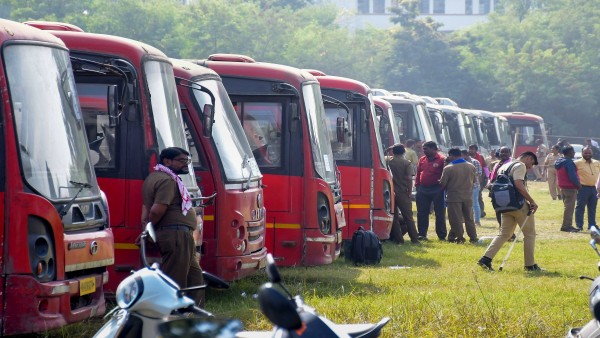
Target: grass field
point(437, 289)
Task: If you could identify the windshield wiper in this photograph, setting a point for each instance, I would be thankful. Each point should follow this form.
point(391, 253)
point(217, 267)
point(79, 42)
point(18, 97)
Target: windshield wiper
point(246, 162)
point(65, 208)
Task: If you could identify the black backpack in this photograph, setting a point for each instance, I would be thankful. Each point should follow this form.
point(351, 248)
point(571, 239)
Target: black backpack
point(504, 195)
point(365, 247)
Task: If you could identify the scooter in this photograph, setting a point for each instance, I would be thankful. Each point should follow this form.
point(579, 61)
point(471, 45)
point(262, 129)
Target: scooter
point(148, 297)
point(293, 318)
point(592, 328)
point(290, 315)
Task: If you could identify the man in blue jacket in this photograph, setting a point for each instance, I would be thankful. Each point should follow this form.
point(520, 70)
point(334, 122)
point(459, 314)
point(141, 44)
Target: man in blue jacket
point(568, 181)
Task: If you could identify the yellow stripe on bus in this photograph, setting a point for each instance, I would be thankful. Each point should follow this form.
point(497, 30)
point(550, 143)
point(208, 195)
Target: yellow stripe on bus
point(209, 217)
point(283, 226)
point(126, 246)
point(359, 206)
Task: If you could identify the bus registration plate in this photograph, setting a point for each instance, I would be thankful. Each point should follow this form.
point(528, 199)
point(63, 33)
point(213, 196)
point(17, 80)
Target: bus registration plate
point(87, 286)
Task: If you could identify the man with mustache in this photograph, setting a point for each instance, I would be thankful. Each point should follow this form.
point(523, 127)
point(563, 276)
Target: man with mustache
point(167, 204)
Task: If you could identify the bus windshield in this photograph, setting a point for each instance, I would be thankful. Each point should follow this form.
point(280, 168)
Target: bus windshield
point(228, 135)
point(377, 134)
point(50, 131)
point(423, 116)
point(166, 111)
point(317, 128)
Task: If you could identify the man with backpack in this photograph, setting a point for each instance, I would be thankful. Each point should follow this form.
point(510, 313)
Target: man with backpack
point(523, 216)
point(402, 173)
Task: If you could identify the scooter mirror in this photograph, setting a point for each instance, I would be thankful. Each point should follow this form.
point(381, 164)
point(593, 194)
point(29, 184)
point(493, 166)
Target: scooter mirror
point(200, 328)
point(279, 309)
point(151, 232)
point(272, 271)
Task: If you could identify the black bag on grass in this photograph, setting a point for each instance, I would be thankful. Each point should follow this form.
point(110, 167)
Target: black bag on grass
point(365, 248)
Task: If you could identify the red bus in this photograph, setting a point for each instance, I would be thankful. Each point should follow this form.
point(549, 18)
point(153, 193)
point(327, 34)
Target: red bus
point(56, 244)
point(131, 111)
point(282, 114)
point(525, 128)
point(234, 225)
point(366, 182)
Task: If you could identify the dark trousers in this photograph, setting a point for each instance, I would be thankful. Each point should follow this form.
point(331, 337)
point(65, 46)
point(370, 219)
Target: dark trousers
point(586, 197)
point(403, 219)
point(179, 260)
point(426, 196)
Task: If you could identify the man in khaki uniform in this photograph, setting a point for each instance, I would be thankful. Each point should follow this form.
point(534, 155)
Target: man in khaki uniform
point(510, 219)
point(402, 173)
point(588, 170)
point(457, 179)
point(167, 204)
point(551, 172)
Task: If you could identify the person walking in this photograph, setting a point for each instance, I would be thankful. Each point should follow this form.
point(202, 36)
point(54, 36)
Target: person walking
point(429, 190)
point(551, 172)
point(458, 178)
point(167, 204)
point(588, 171)
point(568, 181)
point(510, 219)
point(402, 174)
point(541, 152)
point(484, 173)
point(476, 186)
point(504, 156)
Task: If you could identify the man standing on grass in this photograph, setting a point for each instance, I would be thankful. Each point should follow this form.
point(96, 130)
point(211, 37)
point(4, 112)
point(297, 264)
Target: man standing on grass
point(568, 181)
point(476, 187)
point(551, 172)
point(402, 173)
point(483, 175)
point(510, 219)
point(588, 171)
point(427, 183)
point(457, 179)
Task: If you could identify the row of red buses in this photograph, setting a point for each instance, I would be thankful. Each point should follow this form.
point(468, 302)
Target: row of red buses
point(131, 112)
point(358, 152)
point(233, 243)
point(282, 114)
point(56, 243)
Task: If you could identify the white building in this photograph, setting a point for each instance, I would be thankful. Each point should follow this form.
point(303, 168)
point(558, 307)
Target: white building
point(453, 14)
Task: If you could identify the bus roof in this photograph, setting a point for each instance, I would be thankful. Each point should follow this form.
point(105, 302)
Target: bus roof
point(107, 44)
point(191, 71)
point(343, 83)
point(521, 116)
point(257, 70)
point(14, 31)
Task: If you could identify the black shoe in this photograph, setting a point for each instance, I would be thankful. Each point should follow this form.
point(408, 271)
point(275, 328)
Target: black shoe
point(534, 268)
point(442, 239)
point(559, 197)
point(482, 214)
point(451, 240)
point(486, 263)
point(423, 238)
point(415, 241)
point(512, 238)
point(460, 240)
point(568, 228)
point(474, 240)
point(580, 228)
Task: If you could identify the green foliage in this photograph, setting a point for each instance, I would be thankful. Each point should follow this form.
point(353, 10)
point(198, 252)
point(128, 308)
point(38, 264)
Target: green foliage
point(539, 56)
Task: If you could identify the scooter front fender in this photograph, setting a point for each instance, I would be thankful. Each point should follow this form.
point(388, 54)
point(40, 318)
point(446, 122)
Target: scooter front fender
point(591, 329)
point(114, 326)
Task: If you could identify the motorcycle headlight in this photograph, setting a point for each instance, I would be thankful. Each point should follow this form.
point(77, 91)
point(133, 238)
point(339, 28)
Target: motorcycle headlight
point(129, 291)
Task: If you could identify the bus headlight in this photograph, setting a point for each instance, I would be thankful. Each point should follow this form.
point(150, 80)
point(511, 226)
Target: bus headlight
point(323, 214)
point(387, 197)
